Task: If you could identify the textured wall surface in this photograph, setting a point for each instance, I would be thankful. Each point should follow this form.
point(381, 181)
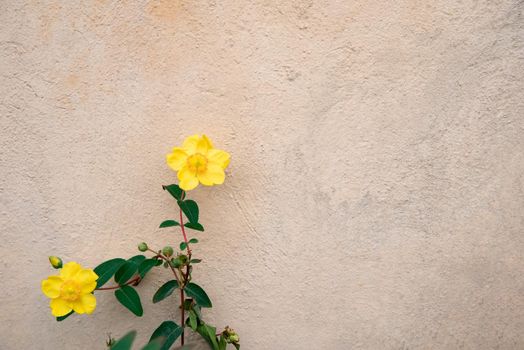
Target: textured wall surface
point(375, 198)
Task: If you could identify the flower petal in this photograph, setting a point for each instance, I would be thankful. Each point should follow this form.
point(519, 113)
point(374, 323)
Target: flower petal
point(189, 183)
point(86, 276)
point(51, 286)
point(88, 302)
point(88, 288)
point(190, 144)
point(60, 307)
point(185, 173)
point(70, 270)
point(220, 157)
point(87, 280)
point(188, 179)
point(78, 307)
point(177, 159)
point(203, 177)
point(213, 175)
point(204, 145)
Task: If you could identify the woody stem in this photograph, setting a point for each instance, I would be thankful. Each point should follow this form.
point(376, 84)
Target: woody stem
point(184, 233)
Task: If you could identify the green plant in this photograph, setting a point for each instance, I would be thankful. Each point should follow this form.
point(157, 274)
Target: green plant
point(72, 290)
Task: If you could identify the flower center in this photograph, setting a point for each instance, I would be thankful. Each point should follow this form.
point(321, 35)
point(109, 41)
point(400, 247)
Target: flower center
point(69, 291)
point(197, 162)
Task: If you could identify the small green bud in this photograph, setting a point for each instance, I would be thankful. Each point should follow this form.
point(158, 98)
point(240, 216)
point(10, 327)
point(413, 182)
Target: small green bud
point(234, 338)
point(166, 265)
point(176, 263)
point(56, 262)
point(167, 251)
point(142, 247)
point(183, 259)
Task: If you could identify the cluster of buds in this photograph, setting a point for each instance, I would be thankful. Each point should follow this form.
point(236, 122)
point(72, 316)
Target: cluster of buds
point(179, 261)
point(230, 336)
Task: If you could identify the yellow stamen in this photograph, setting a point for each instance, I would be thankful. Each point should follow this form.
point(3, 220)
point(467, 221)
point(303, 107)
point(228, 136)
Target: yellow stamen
point(197, 162)
point(70, 291)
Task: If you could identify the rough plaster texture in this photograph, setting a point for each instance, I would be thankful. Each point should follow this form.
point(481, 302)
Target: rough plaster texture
point(376, 193)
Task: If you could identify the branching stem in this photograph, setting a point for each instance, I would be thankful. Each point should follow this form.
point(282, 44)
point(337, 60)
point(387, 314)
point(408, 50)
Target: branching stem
point(158, 255)
point(182, 324)
point(184, 233)
point(185, 276)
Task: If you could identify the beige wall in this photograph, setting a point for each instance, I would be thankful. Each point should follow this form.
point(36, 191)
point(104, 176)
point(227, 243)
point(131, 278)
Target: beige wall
point(375, 198)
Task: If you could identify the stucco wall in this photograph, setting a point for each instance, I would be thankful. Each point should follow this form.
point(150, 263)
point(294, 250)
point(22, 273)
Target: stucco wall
point(375, 198)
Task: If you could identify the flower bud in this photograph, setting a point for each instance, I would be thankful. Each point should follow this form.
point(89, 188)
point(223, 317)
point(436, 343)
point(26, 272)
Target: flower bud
point(183, 259)
point(167, 251)
point(56, 262)
point(142, 247)
point(234, 338)
point(230, 335)
point(176, 263)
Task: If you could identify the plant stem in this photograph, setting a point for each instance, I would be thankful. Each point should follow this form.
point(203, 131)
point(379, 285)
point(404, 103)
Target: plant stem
point(168, 262)
point(184, 276)
point(182, 321)
point(184, 233)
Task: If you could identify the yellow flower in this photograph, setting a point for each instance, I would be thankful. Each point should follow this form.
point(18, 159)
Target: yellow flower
point(71, 290)
point(198, 162)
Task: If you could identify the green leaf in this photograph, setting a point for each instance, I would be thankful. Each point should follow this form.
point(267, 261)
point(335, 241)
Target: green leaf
point(193, 240)
point(167, 333)
point(175, 191)
point(196, 292)
point(190, 209)
point(128, 297)
point(61, 318)
point(169, 223)
point(125, 342)
point(212, 335)
point(197, 311)
point(107, 269)
point(208, 333)
point(193, 320)
point(146, 266)
point(194, 226)
point(237, 346)
point(137, 258)
point(222, 344)
point(195, 261)
point(166, 290)
point(126, 272)
point(201, 329)
point(154, 345)
point(183, 245)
